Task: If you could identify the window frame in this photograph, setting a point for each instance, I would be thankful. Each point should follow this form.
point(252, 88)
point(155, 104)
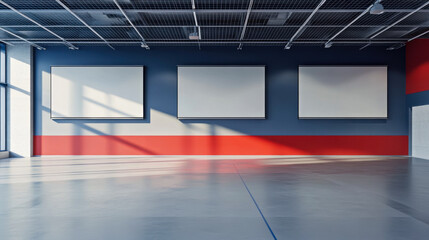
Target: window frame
point(3, 98)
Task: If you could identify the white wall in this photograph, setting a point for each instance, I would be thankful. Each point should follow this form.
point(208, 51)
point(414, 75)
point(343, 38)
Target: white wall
point(20, 100)
point(420, 132)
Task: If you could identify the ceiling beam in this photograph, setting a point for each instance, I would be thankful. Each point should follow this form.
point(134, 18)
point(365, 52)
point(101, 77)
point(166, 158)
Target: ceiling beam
point(74, 40)
point(348, 25)
point(409, 32)
point(167, 11)
point(211, 39)
point(194, 13)
point(69, 45)
point(82, 21)
point(414, 29)
point(400, 20)
point(230, 42)
point(143, 43)
point(214, 26)
point(365, 46)
point(243, 32)
point(297, 33)
point(420, 35)
point(6, 42)
point(23, 39)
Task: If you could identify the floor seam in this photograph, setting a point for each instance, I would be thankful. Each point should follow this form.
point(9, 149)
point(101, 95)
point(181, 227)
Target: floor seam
point(256, 204)
point(396, 205)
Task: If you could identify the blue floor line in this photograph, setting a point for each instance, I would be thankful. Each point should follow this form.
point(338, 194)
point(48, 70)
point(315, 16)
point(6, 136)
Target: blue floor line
point(256, 204)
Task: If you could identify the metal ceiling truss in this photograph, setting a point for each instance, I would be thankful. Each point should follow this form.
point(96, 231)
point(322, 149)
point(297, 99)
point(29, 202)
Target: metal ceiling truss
point(246, 20)
point(228, 42)
point(172, 11)
point(301, 28)
point(400, 20)
point(348, 25)
point(217, 26)
point(82, 21)
point(197, 26)
point(420, 35)
point(6, 42)
point(70, 46)
point(143, 43)
point(23, 39)
point(212, 22)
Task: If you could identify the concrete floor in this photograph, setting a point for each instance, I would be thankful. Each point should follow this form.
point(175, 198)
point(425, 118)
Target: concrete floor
point(223, 198)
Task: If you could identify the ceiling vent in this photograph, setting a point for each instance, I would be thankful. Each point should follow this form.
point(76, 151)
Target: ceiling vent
point(278, 20)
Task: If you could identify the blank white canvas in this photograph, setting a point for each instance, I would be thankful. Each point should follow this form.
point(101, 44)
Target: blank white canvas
point(420, 132)
point(342, 92)
point(221, 92)
point(97, 92)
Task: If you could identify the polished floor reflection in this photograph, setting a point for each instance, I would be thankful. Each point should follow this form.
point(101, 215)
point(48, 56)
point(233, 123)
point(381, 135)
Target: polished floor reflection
point(249, 197)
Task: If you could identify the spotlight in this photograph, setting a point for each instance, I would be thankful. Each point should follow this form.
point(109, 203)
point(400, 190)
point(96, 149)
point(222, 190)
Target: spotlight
point(194, 36)
point(396, 46)
point(288, 46)
point(377, 8)
point(144, 45)
point(73, 48)
point(328, 44)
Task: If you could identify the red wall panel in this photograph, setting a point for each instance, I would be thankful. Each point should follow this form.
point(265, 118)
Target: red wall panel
point(417, 66)
point(220, 145)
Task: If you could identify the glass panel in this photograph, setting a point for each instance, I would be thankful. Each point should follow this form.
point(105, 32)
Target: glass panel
point(2, 63)
point(2, 97)
point(2, 117)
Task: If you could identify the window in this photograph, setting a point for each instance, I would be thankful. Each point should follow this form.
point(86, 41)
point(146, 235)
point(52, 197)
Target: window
point(3, 86)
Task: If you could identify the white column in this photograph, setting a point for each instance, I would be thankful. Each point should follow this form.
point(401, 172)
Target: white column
point(420, 132)
point(20, 100)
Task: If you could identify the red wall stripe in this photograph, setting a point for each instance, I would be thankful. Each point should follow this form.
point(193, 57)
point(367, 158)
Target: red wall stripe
point(220, 145)
point(417, 66)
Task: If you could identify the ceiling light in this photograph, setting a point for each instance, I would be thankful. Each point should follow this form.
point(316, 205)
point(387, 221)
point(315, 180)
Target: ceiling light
point(377, 8)
point(70, 46)
point(144, 45)
point(328, 44)
point(194, 36)
point(396, 46)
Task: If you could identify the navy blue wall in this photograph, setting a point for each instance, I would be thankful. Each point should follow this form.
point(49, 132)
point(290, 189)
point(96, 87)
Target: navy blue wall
point(418, 99)
point(281, 74)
